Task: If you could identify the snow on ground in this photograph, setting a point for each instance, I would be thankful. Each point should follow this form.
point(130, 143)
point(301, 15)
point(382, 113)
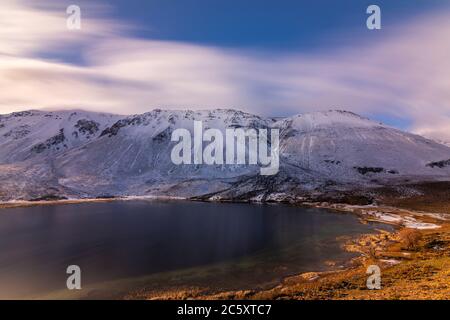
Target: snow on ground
point(78, 154)
point(403, 219)
point(388, 215)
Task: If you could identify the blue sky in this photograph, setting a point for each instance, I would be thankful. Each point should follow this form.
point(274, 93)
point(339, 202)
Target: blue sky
point(268, 25)
point(285, 24)
point(267, 57)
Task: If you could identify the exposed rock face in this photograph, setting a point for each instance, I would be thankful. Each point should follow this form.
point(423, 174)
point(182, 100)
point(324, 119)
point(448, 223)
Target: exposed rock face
point(439, 164)
point(85, 126)
point(56, 141)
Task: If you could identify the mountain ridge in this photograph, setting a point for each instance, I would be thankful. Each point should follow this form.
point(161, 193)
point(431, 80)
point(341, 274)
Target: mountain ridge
point(82, 154)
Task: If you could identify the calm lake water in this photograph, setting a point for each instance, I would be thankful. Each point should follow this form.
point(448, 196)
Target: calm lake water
point(125, 245)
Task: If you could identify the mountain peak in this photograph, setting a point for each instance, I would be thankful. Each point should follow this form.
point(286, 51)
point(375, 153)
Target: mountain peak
point(331, 118)
point(82, 153)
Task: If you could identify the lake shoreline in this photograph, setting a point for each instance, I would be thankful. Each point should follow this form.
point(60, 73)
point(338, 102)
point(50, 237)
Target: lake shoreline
point(31, 203)
point(414, 273)
point(400, 266)
point(377, 213)
point(311, 285)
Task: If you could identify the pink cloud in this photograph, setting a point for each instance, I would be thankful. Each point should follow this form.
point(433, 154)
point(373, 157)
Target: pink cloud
point(406, 75)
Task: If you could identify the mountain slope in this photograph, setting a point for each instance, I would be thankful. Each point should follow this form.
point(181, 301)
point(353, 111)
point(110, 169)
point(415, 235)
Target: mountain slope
point(29, 134)
point(84, 154)
point(346, 146)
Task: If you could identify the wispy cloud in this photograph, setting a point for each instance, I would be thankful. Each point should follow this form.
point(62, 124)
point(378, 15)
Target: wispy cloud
point(407, 75)
point(28, 27)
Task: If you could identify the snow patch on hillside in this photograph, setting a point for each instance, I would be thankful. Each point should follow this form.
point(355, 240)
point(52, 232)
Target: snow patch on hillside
point(79, 154)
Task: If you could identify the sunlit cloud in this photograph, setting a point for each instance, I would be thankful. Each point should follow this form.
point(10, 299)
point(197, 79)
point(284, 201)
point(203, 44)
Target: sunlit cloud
point(407, 75)
point(28, 27)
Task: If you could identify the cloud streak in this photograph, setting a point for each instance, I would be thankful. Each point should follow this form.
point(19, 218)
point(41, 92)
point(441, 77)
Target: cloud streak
point(406, 75)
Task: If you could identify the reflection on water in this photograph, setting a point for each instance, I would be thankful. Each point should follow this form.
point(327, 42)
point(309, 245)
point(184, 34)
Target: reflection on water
point(132, 239)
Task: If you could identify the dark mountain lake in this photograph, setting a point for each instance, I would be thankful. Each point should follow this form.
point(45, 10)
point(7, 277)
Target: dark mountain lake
point(122, 246)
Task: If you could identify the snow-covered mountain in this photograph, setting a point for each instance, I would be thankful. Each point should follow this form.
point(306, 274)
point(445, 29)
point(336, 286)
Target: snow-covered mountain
point(30, 134)
point(85, 154)
point(447, 143)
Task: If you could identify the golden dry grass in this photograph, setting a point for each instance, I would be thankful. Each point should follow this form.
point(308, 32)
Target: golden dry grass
point(423, 273)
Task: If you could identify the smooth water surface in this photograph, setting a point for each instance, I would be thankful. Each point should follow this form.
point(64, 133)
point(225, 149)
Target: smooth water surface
point(224, 245)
